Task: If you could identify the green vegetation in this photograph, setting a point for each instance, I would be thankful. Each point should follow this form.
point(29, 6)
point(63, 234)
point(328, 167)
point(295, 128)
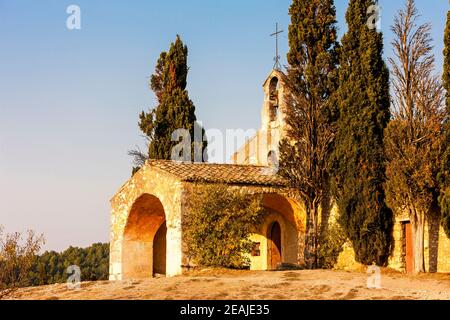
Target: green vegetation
point(444, 176)
point(331, 246)
point(218, 225)
point(51, 267)
point(16, 260)
point(414, 136)
point(359, 155)
point(174, 111)
point(311, 81)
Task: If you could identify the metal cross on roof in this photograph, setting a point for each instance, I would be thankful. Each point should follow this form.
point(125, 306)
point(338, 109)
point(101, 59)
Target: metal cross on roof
point(277, 64)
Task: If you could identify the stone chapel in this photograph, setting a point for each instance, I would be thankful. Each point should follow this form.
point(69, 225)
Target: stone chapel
point(147, 212)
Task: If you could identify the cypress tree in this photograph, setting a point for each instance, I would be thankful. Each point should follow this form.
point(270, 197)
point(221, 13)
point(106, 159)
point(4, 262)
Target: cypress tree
point(304, 154)
point(359, 156)
point(174, 111)
point(445, 171)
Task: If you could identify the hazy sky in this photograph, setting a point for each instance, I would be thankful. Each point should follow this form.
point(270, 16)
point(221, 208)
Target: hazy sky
point(69, 100)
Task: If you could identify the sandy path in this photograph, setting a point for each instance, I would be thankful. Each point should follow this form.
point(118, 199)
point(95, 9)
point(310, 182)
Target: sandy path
point(244, 285)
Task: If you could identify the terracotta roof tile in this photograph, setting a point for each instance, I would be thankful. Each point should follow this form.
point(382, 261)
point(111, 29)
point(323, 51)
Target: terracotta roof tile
point(220, 173)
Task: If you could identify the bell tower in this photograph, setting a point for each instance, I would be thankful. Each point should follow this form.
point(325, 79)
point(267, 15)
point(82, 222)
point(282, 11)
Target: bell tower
point(262, 149)
point(274, 103)
point(273, 112)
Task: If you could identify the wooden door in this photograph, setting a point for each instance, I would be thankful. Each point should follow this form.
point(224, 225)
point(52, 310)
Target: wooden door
point(409, 254)
point(275, 246)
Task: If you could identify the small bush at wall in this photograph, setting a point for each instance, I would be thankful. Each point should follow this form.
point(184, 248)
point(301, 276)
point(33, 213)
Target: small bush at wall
point(331, 245)
point(218, 224)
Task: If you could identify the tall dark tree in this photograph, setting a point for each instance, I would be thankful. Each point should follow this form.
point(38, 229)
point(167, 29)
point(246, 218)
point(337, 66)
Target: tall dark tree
point(174, 111)
point(359, 156)
point(304, 154)
point(444, 176)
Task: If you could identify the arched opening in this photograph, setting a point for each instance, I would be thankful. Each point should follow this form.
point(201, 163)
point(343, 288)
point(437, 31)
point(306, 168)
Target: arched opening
point(274, 245)
point(279, 238)
point(273, 89)
point(144, 239)
point(159, 250)
point(289, 215)
point(288, 208)
point(273, 97)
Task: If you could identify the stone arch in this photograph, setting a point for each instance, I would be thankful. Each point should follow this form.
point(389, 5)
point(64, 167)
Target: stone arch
point(273, 88)
point(144, 239)
point(288, 215)
point(290, 208)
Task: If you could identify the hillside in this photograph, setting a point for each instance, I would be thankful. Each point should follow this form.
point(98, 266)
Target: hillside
point(232, 285)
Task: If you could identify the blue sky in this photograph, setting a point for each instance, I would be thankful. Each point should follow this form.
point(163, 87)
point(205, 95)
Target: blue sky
point(69, 100)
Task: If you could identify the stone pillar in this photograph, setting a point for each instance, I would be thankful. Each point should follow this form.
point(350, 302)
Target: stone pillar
point(115, 260)
point(174, 250)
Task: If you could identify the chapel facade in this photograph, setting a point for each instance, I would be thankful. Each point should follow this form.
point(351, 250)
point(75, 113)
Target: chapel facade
point(146, 235)
point(147, 212)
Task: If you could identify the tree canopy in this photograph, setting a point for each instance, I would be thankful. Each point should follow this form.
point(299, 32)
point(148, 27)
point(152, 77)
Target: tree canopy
point(414, 136)
point(51, 267)
point(174, 111)
point(304, 153)
point(359, 155)
point(444, 176)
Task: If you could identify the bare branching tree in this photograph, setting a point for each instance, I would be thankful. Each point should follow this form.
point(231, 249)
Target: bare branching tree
point(139, 156)
point(306, 159)
point(415, 134)
point(310, 83)
point(16, 259)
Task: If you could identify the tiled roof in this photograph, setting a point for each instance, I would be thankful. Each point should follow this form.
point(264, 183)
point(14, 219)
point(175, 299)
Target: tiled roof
point(220, 173)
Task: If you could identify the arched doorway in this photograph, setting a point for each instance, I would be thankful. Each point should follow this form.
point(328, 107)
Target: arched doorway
point(144, 239)
point(274, 245)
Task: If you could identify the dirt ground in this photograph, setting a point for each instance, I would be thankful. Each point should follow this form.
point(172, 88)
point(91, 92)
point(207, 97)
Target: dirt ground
point(252, 285)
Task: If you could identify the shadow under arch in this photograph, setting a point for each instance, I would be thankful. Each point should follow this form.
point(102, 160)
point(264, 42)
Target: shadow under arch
point(289, 208)
point(144, 239)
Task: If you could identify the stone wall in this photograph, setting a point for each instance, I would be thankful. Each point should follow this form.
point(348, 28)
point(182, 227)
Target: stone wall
point(256, 150)
point(436, 249)
point(148, 181)
point(443, 264)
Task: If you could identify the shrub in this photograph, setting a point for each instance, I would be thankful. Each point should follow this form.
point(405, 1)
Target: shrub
point(16, 260)
point(218, 225)
point(332, 245)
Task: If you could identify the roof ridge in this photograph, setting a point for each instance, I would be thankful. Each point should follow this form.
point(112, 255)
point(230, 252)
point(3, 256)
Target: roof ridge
point(206, 163)
point(219, 173)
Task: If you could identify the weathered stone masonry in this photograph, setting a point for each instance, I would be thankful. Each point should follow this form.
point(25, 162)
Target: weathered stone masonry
point(156, 198)
point(147, 212)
